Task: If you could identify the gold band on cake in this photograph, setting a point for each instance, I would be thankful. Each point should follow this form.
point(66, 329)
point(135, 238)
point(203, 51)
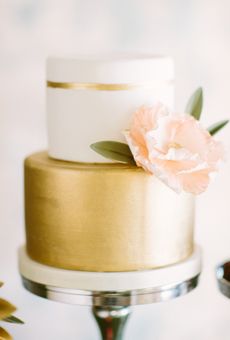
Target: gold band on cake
point(103, 217)
point(99, 86)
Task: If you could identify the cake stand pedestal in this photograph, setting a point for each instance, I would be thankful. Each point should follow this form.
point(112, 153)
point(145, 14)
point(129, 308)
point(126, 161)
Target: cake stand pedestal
point(110, 294)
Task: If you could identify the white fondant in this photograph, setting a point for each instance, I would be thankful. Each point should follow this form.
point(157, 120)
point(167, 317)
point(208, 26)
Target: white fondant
point(78, 118)
point(120, 281)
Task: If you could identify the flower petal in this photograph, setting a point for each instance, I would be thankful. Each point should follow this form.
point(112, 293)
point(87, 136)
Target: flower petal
point(195, 182)
point(175, 148)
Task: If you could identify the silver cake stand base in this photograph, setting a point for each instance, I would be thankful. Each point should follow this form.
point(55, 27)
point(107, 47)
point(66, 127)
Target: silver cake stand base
point(110, 307)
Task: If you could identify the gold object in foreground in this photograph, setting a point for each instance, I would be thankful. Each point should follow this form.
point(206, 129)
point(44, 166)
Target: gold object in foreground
point(103, 217)
point(6, 311)
point(4, 335)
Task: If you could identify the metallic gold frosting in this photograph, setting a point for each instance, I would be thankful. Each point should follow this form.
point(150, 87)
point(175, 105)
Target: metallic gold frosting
point(103, 217)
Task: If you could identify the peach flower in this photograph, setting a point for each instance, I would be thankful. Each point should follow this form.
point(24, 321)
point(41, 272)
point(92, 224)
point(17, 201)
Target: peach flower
point(175, 148)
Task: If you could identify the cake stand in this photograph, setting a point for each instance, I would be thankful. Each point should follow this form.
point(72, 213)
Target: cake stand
point(223, 278)
point(110, 294)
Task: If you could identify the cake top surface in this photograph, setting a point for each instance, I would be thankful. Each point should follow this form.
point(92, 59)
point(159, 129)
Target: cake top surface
point(110, 68)
point(41, 160)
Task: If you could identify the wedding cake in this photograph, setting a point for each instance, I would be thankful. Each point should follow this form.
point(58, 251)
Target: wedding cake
point(88, 214)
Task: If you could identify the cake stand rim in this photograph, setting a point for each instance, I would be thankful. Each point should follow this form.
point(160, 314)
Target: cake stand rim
point(114, 298)
point(223, 284)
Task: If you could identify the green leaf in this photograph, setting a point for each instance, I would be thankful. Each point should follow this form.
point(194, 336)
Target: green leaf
point(13, 319)
point(114, 150)
point(213, 129)
point(195, 104)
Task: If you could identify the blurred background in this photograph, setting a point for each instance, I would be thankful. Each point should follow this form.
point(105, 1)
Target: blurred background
point(197, 35)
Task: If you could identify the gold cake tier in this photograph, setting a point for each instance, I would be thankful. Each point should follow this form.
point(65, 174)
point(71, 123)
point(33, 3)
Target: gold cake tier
point(103, 217)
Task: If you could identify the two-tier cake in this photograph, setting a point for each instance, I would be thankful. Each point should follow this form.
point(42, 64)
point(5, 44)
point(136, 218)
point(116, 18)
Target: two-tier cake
point(83, 213)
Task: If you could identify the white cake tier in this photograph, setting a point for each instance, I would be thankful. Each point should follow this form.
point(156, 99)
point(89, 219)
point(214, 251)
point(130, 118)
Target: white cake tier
point(93, 99)
point(99, 281)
